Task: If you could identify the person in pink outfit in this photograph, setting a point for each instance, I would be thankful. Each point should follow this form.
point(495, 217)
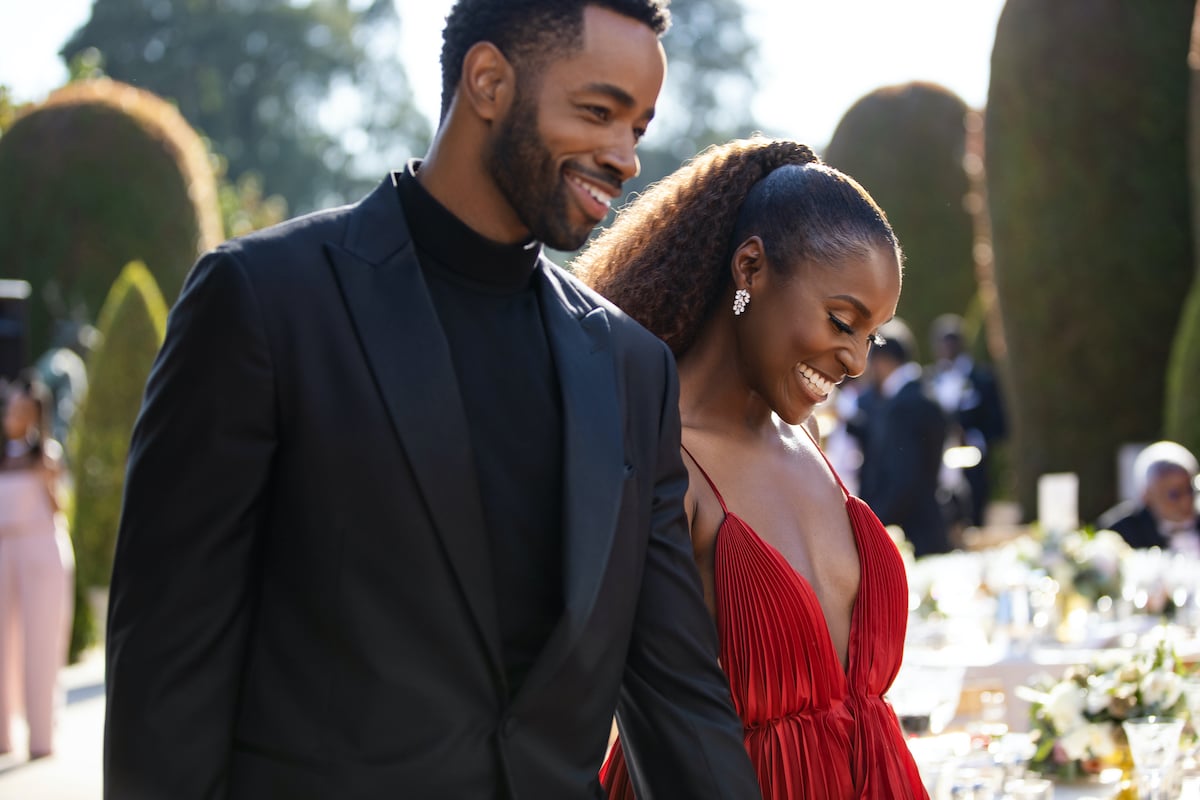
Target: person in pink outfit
point(36, 568)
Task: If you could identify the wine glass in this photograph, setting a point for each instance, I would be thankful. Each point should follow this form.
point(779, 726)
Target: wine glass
point(1030, 788)
point(1191, 696)
point(925, 696)
point(1012, 753)
point(1191, 755)
point(1154, 744)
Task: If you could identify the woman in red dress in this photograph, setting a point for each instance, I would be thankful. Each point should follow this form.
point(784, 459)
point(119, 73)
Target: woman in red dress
point(768, 274)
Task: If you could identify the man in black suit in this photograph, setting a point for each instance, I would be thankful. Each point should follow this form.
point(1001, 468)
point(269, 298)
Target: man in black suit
point(903, 434)
point(404, 513)
point(1163, 514)
point(970, 395)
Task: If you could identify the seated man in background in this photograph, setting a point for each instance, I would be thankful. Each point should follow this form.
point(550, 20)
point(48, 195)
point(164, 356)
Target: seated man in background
point(1163, 513)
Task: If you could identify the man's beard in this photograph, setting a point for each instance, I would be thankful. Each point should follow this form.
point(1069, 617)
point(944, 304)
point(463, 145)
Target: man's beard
point(524, 170)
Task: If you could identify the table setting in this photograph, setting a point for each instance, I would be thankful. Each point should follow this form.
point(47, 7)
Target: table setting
point(1058, 666)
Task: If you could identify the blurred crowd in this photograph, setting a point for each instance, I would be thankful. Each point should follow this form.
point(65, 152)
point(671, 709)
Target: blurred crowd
point(917, 439)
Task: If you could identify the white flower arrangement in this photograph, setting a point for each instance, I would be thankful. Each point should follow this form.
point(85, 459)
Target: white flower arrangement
point(1076, 719)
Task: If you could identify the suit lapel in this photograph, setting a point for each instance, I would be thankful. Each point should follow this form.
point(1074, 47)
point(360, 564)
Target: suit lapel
point(409, 357)
point(593, 455)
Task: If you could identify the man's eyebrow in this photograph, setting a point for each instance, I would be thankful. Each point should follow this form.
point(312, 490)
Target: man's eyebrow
point(618, 95)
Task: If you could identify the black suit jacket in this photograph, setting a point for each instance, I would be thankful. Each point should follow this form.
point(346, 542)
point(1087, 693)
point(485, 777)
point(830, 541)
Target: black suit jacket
point(1135, 523)
point(902, 453)
point(981, 408)
point(302, 603)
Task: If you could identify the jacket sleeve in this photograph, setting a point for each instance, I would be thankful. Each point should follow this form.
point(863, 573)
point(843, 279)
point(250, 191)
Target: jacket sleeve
point(184, 576)
point(678, 727)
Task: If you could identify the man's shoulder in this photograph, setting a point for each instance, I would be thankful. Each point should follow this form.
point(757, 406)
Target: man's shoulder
point(918, 391)
point(358, 225)
point(1124, 517)
point(582, 299)
point(299, 232)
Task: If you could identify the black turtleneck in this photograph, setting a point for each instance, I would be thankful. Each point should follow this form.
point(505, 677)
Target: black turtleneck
point(486, 296)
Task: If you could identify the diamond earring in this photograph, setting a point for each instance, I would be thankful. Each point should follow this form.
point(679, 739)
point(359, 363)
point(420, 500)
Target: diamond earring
point(741, 299)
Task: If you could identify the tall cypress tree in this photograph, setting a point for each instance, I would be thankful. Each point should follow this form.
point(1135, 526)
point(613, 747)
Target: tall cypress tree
point(1182, 412)
point(132, 325)
point(906, 144)
point(1087, 186)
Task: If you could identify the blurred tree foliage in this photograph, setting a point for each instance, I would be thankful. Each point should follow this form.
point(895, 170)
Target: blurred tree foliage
point(8, 109)
point(906, 144)
point(310, 95)
point(1091, 221)
point(243, 206)
point(709, 86)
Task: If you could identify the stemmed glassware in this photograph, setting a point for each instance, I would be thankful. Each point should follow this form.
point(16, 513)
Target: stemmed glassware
point(1029, 789)
point(925, 696)
point(1154, 745)
point(1191, 758)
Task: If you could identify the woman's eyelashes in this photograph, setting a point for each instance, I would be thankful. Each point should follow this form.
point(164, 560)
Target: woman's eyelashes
point(873, 339)
point(841, 326)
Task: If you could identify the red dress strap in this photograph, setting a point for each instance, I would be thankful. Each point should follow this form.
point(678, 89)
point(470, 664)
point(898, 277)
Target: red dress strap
point(817, 444)
point(711, 485)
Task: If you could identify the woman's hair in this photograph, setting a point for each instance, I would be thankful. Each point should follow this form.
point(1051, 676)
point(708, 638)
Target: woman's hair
point(39, 393)
point(665, 260)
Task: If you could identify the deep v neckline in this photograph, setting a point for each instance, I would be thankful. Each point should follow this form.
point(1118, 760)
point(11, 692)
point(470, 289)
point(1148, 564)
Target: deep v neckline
point(804, 583)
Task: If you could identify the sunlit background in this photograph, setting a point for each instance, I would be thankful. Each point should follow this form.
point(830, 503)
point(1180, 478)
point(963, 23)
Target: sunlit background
point(1032, 155)
point(814, 58)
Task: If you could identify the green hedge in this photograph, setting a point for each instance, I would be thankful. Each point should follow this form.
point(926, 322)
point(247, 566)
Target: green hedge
point(99, 175)
point(132, 325)
point(1182, 412)
point(1087, 186)
point(906, 144)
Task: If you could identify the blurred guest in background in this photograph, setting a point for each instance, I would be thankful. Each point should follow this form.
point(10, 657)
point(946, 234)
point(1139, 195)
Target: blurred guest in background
point(62, 370)
point(970, 395)
point(904, 430)
point(839, 440)
point(1163, 512)
point(36, 567)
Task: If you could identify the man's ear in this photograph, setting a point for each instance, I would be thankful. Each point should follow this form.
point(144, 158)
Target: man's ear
point(488, 82)
point(749, 260)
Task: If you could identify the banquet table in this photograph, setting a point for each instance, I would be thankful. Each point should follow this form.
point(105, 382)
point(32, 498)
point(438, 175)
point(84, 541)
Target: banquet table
point(1003, 667)
point(940, 757)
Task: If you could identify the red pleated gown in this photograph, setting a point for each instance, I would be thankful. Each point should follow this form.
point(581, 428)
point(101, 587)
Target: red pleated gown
point(812, 729)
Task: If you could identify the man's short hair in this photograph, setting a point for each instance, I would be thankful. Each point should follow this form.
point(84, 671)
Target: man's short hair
point(898, 342)
point(528, 31)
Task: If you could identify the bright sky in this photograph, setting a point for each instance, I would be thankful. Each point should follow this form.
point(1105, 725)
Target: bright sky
point(817, 56)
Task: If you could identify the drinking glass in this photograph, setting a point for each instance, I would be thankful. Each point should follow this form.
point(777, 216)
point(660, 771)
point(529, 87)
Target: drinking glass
point(1029, 789)
point(976, 779)
point(1191, 694)
point(1012, 752)
point(1154, 744)
point(925, 696)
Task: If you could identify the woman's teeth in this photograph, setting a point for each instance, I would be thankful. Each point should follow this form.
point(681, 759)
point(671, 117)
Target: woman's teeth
point(821, 385)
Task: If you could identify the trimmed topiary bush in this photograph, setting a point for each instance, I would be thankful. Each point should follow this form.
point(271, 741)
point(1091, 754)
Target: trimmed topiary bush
point(99, 175)
point(906, 144)
point(132, 325)
point(1087, 186)
point(1182, 408)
